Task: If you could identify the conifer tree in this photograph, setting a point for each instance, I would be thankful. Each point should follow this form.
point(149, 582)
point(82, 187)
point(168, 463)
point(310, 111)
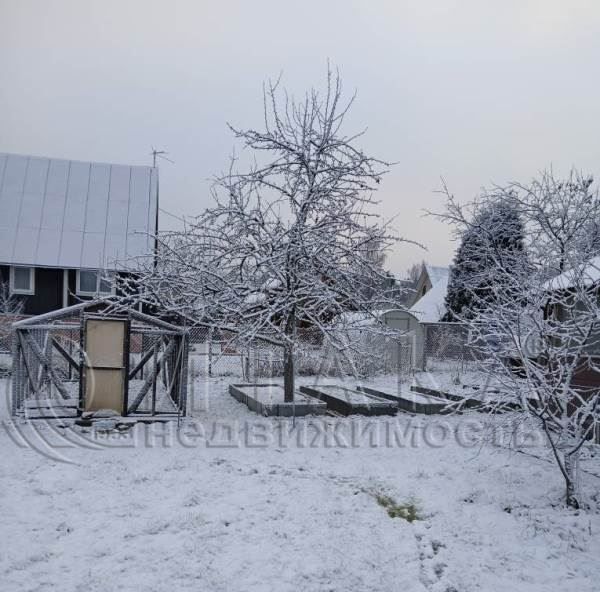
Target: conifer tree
point(494, 240)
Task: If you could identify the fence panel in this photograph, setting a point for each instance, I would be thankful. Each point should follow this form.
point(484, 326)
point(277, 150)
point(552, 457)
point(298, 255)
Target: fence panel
point(446, 348)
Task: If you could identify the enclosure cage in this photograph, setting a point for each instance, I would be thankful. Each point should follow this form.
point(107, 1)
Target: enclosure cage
point(93, 356)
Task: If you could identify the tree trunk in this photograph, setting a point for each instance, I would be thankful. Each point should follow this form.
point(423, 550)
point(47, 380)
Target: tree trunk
point(288, 356)
point(288, 373)
point(571, 481)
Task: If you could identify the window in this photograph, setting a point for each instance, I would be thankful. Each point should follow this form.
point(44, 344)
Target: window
point(106, 284)
point(22, 280)
point(93, 282)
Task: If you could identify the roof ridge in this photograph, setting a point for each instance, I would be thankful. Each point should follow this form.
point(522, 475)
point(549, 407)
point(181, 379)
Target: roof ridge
point(58, 158)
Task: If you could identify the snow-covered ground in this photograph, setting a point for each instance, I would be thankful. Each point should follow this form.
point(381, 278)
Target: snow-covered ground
point(236, 502)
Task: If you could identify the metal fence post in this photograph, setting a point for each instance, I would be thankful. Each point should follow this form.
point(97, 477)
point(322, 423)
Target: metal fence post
point(17, 378)
point(209, 343)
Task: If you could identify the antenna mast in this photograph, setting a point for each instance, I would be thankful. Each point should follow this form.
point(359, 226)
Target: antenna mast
point(159, 154)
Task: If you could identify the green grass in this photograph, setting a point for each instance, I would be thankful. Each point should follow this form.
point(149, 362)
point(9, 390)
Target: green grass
point(408, 510)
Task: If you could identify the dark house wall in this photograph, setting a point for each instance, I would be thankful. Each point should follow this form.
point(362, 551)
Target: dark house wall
point(48, 290)
point(72, 297)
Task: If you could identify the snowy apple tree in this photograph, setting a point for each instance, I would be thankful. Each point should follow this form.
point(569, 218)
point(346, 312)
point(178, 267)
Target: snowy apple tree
point(291, 241)
point(538, 336)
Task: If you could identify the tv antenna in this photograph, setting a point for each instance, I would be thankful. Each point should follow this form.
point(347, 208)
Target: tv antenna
point(159, 154)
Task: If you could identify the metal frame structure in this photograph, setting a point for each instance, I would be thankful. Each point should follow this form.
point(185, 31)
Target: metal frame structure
point(49, 361)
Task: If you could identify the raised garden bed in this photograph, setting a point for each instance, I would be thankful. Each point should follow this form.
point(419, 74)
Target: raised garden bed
point(462, 402)
point(347, 401)
point(267, 399)
point(412, 402)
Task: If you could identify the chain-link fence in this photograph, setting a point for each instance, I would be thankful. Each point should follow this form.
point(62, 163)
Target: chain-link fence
point(446, 348)
point(5, 338)
point(215, 353)
point(442, 347)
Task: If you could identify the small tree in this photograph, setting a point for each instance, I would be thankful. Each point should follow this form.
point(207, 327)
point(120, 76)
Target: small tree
point(561, 214)
point(9, 308)
point(293, 241)
point(539, 337)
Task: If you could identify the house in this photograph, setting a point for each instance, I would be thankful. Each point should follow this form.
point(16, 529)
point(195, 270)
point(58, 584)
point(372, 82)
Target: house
point(429, 277)
point(435, 339)
point(420, 324)
point(431, 306)
point(567, 295)
point(68, 227)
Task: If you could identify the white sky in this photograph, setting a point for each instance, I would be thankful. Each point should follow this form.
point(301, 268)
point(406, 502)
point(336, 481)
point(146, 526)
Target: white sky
point(474, 91)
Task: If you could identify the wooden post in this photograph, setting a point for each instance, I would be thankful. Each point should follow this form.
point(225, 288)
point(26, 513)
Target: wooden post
point(140, 365)
point(148, 383)
point(288, 373)
point(46, 365)
point(66, 355)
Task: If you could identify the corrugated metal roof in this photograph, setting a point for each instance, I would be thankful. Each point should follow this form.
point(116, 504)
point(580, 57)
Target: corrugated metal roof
point(72, 214)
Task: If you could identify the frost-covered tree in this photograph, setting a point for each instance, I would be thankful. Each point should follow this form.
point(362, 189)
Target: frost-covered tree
point(292, 241)
point(539, 338)
point(561, 214)
point(495, 233)
point(9, 308)
point(374, 285)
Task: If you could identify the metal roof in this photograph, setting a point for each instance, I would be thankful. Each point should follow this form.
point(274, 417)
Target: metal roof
point(72, 214)
point(437, 273)
point(431, 308)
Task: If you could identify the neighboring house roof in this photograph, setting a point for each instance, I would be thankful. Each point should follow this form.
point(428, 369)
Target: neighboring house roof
point(432, 273)
point(436, 273)
point(431, 307)
point(587, 275)
point(72, 214)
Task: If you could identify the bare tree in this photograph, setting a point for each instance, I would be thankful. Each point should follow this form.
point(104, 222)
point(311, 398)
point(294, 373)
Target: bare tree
point(561, 215)
point(292, 242)
point(10, 307)
point(414, 271)
point(539, 337)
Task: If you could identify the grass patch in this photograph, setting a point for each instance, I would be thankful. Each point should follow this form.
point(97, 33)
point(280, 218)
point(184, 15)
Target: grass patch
point(408, 510)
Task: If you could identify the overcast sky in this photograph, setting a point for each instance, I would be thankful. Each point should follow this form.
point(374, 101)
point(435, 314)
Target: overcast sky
point(474, 91)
